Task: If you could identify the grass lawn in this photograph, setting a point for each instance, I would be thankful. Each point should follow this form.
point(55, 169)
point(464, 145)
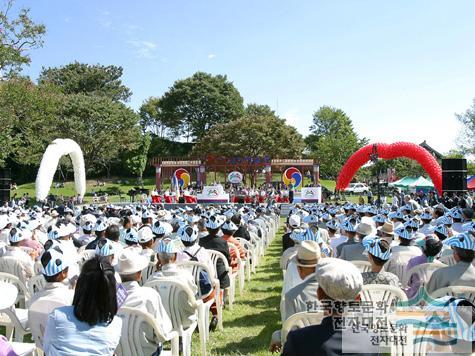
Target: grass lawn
point(255, 316)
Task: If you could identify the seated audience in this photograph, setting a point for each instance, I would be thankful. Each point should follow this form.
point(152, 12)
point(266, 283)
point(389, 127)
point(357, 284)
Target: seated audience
point(379, 252)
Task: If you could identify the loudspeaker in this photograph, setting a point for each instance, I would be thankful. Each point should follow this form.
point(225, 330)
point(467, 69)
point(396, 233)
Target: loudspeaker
point(5, 179)
point(454, 175)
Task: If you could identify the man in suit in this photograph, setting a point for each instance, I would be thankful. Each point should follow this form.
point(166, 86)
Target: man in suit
point(463, 272)
point(354, 252)
point(339, 281)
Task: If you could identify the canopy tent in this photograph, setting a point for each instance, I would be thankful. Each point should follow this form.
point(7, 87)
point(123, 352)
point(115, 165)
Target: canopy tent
point(416, 183)
point(471, 182)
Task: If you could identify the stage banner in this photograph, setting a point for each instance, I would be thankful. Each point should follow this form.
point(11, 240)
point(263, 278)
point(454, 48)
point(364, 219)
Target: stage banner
point(292, 176)
point(213, 194)
point(311, 195)
point(235, 177)
point(181, 177)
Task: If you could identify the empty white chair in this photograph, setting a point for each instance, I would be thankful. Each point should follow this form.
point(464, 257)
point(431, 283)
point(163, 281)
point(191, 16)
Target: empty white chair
point(250, 261)
point(382, 293)
point(23, 297)
point(215, 257)
point(13, 266)
point(300, 320)
point(423, 272)
point(397, 264)
point(38, 316)
point(363, 266)
point(14, 320)
point(169, 290)
point(132, 338)
point(86, 255)
point(147, 272)
point(23, 348)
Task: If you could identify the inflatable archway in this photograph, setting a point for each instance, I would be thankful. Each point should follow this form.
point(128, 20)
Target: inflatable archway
point(386, 151)
point(58, 148)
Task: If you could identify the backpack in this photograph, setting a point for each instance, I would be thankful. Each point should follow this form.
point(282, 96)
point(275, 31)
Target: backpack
point(205, 281)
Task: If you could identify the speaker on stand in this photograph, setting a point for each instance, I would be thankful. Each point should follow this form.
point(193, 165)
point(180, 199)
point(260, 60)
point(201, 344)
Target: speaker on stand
point(5, 180)
point(454, 175)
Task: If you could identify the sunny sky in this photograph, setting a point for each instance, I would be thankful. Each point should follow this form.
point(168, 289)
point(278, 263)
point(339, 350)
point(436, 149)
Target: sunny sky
point(399, 69)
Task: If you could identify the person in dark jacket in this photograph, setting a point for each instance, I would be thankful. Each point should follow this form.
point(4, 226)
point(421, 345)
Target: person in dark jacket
point(242, 230)
point(338, 281)
point(214, 242)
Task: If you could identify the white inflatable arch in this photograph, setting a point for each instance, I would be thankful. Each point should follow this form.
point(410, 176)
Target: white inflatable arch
point(58, 148)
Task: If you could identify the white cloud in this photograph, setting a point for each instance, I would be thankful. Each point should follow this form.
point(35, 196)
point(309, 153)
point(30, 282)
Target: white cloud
point(144, 49)
point(211, 56)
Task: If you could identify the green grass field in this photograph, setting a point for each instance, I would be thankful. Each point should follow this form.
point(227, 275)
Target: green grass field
point(255, 316)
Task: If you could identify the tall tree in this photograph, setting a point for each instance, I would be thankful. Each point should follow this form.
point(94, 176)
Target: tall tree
point(200, 102)
point(136, 160)
point(103, 128)
point(29, 116)
point(153, 119)
point(253, 110)
point(332, 140)
point(466, 140)
point(252, 136)
point(17, 37)
point(81, 78)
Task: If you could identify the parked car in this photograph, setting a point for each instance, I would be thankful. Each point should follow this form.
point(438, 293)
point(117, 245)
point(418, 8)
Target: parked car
point(357, 188)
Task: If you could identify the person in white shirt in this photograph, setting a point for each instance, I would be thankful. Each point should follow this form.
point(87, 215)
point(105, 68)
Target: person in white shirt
point(14, 250)
point(335, 238)
point(63, 232)
point(167, 267)
point(87, 235)
point(5, 226)
point(145, 237)
point(130, 265)
point(57, 292)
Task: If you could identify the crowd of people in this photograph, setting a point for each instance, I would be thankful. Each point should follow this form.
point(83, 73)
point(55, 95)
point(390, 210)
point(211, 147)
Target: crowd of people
point(96, 260)
point(330, 252)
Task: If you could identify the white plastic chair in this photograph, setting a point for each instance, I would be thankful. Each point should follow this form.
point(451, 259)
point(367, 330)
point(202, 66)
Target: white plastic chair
point(423, 272)
point(195, 268)
point(84, 256)
point(14, 320)
point(23, 293)
point(13, 266)
point(36, 284)
point(169, 290)
point(38, 316)
point(448, 260)
point(132, 338)
point(363, 266)
point(382, 293)
point(241, 267)
point(147, 272)
point(250, 261)
point(398, 263)
point(455, 291)
point(215, 257)
point(300, 320)
point(24, 348)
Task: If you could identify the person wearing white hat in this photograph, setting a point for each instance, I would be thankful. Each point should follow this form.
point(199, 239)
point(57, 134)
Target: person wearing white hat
point(191, 250)
point(332, 227)
point(130, 265)
point(14, 250)
point(5, 226)
point(86, 237)
point(57, 291)
point(146, 241)
point(228, 229)
point(348, 229)
point(463, 272)
point(167, 251)
point(100, 232)
point(338, 281)
point(293, 222)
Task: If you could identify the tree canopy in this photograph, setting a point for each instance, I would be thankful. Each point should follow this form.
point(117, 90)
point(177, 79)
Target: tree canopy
point(466, 140)
point(81, 78)
point(332, 140)
point(195, 104)
point(17, 37)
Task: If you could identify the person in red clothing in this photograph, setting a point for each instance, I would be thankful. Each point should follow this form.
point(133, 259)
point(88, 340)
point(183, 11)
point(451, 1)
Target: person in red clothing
point(228, 229)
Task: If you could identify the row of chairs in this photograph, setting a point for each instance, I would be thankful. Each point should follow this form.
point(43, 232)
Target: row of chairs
point(15, 319)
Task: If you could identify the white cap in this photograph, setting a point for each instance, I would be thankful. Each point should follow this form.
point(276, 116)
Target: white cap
point(339, 279)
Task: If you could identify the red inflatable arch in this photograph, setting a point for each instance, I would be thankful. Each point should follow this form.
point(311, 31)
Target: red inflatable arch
point(395, 150)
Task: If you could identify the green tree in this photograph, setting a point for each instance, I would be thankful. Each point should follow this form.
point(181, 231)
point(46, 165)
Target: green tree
point(332, 140)
point(17, 37)
point(103, 129)
point(199, 102)
point(136, 160)
point(253, 110)
point(28, 118)
point(81, 78)
point(257, 136)
point(153, 119)
point(466, 141)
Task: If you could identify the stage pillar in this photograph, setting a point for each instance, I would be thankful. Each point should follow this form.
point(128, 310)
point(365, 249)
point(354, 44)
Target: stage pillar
point(269, 174)
point(201, 176)
point(316, 174)
point(158, 177)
